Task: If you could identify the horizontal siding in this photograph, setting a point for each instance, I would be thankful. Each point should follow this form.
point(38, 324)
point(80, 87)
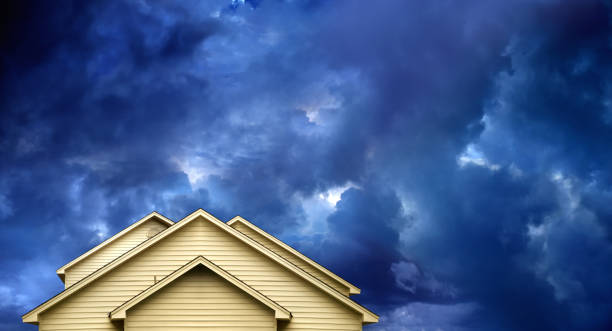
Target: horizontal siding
point(110, 252)
point(200, 299)
point(311, 308)
point(291, 257)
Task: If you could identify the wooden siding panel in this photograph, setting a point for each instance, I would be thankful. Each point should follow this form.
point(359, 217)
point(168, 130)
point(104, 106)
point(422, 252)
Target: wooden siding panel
point(311, 308)
point(200, 299)
point(290, 257)
point(112, 251)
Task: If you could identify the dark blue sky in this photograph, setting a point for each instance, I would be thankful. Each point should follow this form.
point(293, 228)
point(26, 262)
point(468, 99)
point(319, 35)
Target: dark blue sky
point(451, 158)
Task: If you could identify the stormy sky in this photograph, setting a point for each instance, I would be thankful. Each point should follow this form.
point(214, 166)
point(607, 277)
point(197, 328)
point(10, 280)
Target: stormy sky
point(451, 158)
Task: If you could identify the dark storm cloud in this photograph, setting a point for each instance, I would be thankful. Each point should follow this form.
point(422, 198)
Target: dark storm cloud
point(85, 130)
point(467, 144)
point(494, 216)
point(484, 220)
point(474, 244)
point(367, 222)
point(557, 92)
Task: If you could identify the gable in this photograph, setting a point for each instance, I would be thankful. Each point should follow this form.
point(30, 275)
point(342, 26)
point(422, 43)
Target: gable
point(200, 300)
point(222, 282)
point(293, 256)
point(204, 235)
point(112, 248)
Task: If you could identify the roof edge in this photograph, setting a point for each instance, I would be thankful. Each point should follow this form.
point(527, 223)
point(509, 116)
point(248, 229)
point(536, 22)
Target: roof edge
point(352, 288)
point(163, 219)
point(280, 312)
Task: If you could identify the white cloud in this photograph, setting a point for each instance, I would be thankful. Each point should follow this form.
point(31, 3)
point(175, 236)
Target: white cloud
point(319, 97)
point(318, 103)
point(419, 316)
point(568, 196)
point(100, 230)
point(472, 155)
point(316, 211)
point(332, 196)
point(319, 206)
point(196, 168)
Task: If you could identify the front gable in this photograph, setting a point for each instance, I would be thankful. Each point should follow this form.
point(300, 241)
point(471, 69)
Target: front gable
point(200, 300)
point(202, 295)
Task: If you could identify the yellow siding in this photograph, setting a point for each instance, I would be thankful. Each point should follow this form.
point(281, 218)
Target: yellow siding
point(203, 300)
point(311, 308)
point(290, 257)
point(112, 251)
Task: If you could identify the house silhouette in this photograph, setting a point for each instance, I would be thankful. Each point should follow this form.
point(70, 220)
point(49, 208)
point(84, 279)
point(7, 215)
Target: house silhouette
point(198, 274)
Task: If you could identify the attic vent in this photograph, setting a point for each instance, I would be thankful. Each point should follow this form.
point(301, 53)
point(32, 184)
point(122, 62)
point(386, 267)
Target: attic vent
point(151, 233)
point(154, 229)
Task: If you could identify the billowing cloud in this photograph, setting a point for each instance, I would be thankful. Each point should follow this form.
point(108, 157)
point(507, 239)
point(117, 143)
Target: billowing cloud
point(450, 158)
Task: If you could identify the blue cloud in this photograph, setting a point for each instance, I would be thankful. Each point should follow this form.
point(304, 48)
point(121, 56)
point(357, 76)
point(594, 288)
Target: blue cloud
point(451, 159)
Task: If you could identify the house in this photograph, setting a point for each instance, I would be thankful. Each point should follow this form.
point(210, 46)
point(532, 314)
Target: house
point(198, 274)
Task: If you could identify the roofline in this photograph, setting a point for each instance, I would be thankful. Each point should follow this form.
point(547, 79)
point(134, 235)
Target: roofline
point(61, 272)
point(280, 312)
point(32, 315)
point(352, 288)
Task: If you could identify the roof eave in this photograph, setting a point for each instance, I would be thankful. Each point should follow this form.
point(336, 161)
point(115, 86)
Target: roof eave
point(370, 318)
point(30, 319)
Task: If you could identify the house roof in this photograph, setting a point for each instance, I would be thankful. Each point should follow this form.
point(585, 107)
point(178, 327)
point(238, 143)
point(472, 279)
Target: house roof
point(61, 272)
point(368, 316)
point(279, 311)
point(238, 219)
